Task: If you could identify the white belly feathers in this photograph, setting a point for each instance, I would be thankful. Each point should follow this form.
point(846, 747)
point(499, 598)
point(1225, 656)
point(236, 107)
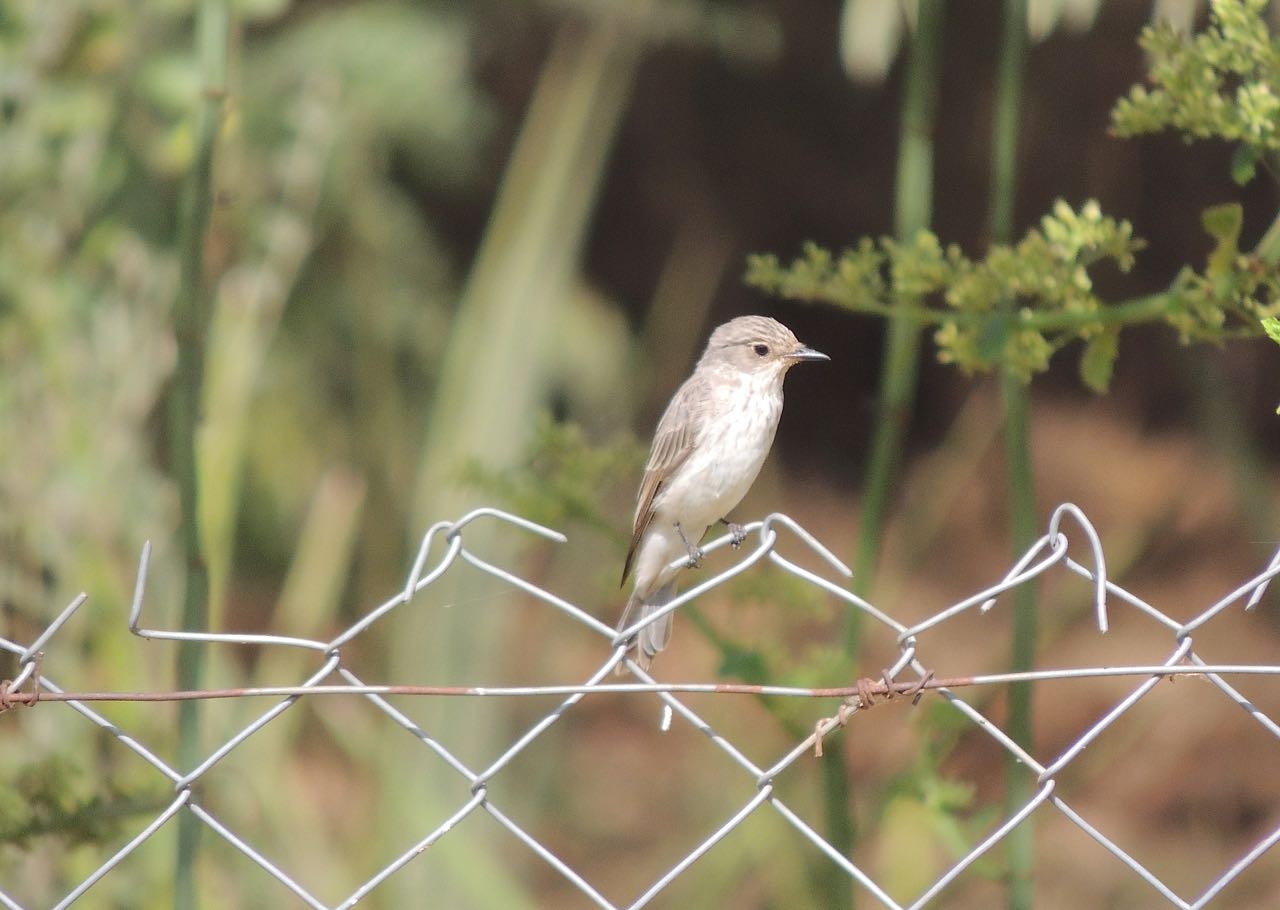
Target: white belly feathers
point(727, 455)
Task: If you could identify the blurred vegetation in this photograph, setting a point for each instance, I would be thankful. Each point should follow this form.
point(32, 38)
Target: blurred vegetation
point(403, 320)
point(560, 482)
point(308, 409)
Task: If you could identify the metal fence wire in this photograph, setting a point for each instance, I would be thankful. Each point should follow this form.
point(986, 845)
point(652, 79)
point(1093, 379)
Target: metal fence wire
point(1070, 544)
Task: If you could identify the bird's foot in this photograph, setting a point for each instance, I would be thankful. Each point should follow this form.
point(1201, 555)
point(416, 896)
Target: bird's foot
point(737, 534)
point(694, 551)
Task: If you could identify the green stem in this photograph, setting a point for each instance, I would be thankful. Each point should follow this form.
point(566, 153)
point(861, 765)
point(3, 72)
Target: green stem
point(900, 366)
point(1004, 152)
point(190, 319)
point(898, 376)
point(913, 184)
point(1131, 311)
point(1017, 407)
point(1134, 311)
point(1022, 520)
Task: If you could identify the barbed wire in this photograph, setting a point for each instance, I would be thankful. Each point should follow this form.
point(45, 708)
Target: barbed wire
point(31, 685)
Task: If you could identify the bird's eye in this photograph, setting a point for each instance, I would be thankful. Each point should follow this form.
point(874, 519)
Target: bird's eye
point(762, 350)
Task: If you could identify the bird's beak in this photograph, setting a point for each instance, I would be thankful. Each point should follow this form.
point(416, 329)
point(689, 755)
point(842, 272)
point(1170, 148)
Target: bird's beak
point(806, 353)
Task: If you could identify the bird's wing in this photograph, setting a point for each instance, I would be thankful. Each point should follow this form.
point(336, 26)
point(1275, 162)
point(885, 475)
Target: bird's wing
point(672, 443)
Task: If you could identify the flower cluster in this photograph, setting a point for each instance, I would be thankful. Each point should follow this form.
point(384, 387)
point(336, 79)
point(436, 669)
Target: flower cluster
point(1222, 83)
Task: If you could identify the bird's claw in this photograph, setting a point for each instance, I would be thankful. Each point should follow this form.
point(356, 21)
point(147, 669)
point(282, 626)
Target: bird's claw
point(737, 534)
point(695, 553)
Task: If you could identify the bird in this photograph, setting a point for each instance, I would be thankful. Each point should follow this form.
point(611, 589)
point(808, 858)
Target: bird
point(707, 450)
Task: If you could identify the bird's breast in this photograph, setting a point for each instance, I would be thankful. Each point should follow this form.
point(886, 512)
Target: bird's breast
point(731, 445)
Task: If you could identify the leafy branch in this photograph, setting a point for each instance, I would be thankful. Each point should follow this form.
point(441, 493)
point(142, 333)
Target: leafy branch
point(1046, 274)
point(1021, 303)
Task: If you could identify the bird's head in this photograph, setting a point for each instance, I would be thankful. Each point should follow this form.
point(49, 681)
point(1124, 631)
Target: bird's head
point(756, 344)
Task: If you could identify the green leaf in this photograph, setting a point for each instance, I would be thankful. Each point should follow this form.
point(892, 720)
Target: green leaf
point(1244, 163)
point(1098, 360)
point(1223, 223)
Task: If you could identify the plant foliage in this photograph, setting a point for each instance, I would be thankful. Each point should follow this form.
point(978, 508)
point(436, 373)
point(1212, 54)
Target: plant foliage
point(1016, 306)
point(1222, 83)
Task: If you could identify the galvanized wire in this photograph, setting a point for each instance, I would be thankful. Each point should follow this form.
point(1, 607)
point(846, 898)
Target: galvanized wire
point(1052, 552)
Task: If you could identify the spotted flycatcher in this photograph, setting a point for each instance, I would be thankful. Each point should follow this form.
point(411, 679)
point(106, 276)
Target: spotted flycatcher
point(707, 451)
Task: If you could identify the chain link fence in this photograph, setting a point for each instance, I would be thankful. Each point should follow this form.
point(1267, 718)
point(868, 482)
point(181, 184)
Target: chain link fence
point(1069, 545)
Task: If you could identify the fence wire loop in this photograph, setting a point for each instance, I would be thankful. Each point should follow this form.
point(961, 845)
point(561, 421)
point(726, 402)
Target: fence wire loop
point(751, 544)
point(1073, 511)
point(510, 518)
point(817, 546)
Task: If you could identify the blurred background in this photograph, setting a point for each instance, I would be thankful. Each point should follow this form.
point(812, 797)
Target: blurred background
point(460, 254)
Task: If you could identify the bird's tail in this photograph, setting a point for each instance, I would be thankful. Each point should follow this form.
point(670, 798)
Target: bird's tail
point(646, 643)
